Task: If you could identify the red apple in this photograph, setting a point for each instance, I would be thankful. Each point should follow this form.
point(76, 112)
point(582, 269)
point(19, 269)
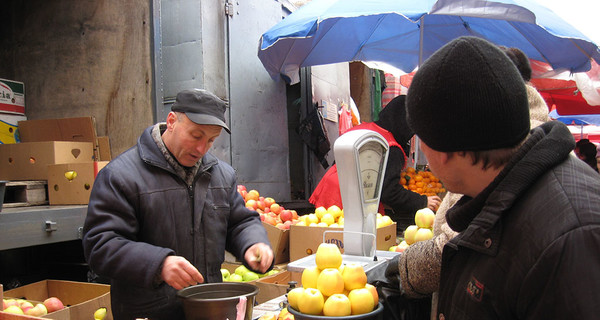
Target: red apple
point(262, 217)
point(269, 201)
point(270, 220)
point(260, 204)
point(251, 204)
point(287, 224)
point(286, 215)
point(53, 304)
point(241, 187)
point(276, 208)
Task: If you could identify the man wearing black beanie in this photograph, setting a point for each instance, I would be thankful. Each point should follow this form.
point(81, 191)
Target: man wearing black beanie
point(529, 223)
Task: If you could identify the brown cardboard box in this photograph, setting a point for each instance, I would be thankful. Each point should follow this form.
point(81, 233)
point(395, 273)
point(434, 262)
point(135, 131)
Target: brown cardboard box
point(273, 286)
point(30, 160)
point(82, 298)
point(76, 191)
point(304, 240)
point(280, 240)
point(104, 149)
point(82, 129)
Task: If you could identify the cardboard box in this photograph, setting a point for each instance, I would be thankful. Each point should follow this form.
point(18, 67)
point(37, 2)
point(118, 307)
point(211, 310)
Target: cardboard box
point(30, 160)
point(304, 240)
point(61, 190)
point(274, 286)
point(9, 125)
point(12, 96)
point(82, 299)
point(280, 240)
point(103, 144)
point(81, 129)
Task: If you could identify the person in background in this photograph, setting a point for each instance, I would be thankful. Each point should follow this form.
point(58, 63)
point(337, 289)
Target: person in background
point(404, 203)
point(513, 256)
point(162, 214)
point(586, 151)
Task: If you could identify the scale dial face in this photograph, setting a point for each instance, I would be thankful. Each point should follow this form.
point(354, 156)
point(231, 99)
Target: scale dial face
point(370, 158)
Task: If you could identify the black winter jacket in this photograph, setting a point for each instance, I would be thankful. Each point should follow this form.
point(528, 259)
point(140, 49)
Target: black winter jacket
point(140, 212)
point(529, 246)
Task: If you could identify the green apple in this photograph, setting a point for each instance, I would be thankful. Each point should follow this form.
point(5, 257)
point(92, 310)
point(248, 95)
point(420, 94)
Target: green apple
point(225, 273)
point(250, 276)
point(235, 278)
point(241, 270)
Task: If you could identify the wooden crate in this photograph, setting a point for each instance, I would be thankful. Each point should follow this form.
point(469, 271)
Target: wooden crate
point(25, 193)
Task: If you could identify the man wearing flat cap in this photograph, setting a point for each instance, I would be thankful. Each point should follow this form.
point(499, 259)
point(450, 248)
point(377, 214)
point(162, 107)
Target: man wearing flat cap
point(529, 221)
point(162, 214)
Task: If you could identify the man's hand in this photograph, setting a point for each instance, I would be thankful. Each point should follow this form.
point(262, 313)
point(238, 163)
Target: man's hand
point(180, 273)
point(433, 202)
point(259, 257)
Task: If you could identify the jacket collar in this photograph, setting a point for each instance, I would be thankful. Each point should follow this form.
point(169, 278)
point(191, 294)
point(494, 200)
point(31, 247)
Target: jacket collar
point(479, 219)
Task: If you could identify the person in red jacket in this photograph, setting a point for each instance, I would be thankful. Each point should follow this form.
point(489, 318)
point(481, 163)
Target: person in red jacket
point(403, 203)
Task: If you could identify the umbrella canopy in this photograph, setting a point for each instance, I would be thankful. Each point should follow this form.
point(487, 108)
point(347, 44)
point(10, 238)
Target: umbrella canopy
point(576, 119)
point(403, 33)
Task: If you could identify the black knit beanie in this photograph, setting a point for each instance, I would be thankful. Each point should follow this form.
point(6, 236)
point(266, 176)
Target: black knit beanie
point(468, 96)
point(393, 119)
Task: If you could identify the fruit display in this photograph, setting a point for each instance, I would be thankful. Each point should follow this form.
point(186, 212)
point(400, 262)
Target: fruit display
point(333, 217)
point(36, 309)
point(269, 210)
point(422, 182)
point(332, 288)
point(420, 231)
point(243, 274)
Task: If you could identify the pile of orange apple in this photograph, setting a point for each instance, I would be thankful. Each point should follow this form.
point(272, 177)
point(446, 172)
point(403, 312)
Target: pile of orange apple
point(270, 211)
point(25, 307)
point(333, 289)
point(423, 182)
point(420, 231)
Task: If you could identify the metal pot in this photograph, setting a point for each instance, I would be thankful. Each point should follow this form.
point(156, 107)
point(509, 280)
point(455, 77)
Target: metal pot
point(218, 301)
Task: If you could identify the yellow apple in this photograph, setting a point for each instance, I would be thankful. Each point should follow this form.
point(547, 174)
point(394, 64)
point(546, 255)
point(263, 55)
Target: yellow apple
point(409, 234)
point(424, 218)
point(14, 310)
point(100, 313)
point(423, 234)
point(341, 221)
point(311, 301)
point(320, 212)
point(361, 301)
point(338, 305)
point(393, 248)
point(328, 256)
point(310, 276)
point(354, 276)
point(384, 221)
point(373, 291)
point(294, 295)
point(328, 219)
point(330, 282)
point(312, 218)
point(335, 211)
point(37, 311)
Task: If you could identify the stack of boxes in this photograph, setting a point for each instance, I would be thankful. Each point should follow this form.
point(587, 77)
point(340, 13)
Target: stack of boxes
point(51, 150)
point(12, 109)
